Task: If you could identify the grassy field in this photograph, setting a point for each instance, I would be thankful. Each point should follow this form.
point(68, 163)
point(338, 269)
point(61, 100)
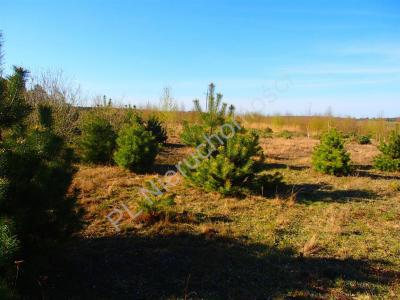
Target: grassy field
point(313, 237)
point(312, 126)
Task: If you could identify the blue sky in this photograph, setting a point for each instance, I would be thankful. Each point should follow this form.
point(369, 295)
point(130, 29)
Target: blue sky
point(267, 56)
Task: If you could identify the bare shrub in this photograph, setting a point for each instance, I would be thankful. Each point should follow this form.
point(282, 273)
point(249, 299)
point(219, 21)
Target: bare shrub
point(54, 89)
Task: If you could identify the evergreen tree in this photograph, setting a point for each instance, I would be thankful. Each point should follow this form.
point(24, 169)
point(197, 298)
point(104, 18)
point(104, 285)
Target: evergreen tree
point(229, 168)
point(192, 134)
point(330, 156)
point(155, 207)
point(215, 115)
point(152, 124)
point(215, 112)
point(155, 126)
point(389, 159)
point(8, 242)
point(13, 108)
point(8, 249)
point(38, 168)
point(97, 141)
point(137, 148)
point(35, 173)
point(227, 162)
point(35, 168)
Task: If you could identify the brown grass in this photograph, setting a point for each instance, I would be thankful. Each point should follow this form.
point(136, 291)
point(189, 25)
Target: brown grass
point(315, 125)
point(316, 237)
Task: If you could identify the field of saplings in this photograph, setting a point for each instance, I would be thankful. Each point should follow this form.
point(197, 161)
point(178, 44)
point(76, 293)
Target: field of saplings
point(124, 202)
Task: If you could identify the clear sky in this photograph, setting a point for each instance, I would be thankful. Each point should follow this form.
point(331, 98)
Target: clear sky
point(266, 56)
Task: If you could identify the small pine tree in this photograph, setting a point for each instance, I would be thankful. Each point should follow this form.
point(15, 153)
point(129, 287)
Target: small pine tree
point(152, 124)
point(8, 242)
point(286, 134)
point(12, 111)
point(35, 170)
point(215, 115)
point(137, 148)
point(132, 116)
point(156, 127)
point(13, 107)
point(8, 248)
point(224, 164)
point(192, 135)
point(155, 207)
point(216, 110)
point(39, 169)
point(389, 159)
point(230, 167)
point(330, 156)
point(364, 140)
point(97, 142)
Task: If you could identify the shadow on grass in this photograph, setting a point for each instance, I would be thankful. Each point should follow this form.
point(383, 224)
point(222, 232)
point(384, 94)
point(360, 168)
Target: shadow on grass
point(277, 157)
point(359, 173)
point(363, 167)
point(274, 166)
point(170, 267)
point(368, 171)
point(308, 192)
point(161, 169)
point(175, 145)
point(200, 217)
point(272, 185)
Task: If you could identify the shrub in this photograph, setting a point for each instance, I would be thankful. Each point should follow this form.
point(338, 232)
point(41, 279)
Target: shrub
point(55, 90)
point(230, 166)
point(329, 156)
point(157, 206)
point(389, 159)
point(97, 142)
point(8, 247)
point(364, 140)
point(268, 130)
point(8, 243)
point(268, 133)
point(385, 163)
point(156, 127)
point(395, 186)
point(192, 135)
point(286, 134)
point(137, 148)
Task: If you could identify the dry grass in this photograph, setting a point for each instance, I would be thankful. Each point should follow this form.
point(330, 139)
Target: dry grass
point(316, 237)
point(315, 125)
